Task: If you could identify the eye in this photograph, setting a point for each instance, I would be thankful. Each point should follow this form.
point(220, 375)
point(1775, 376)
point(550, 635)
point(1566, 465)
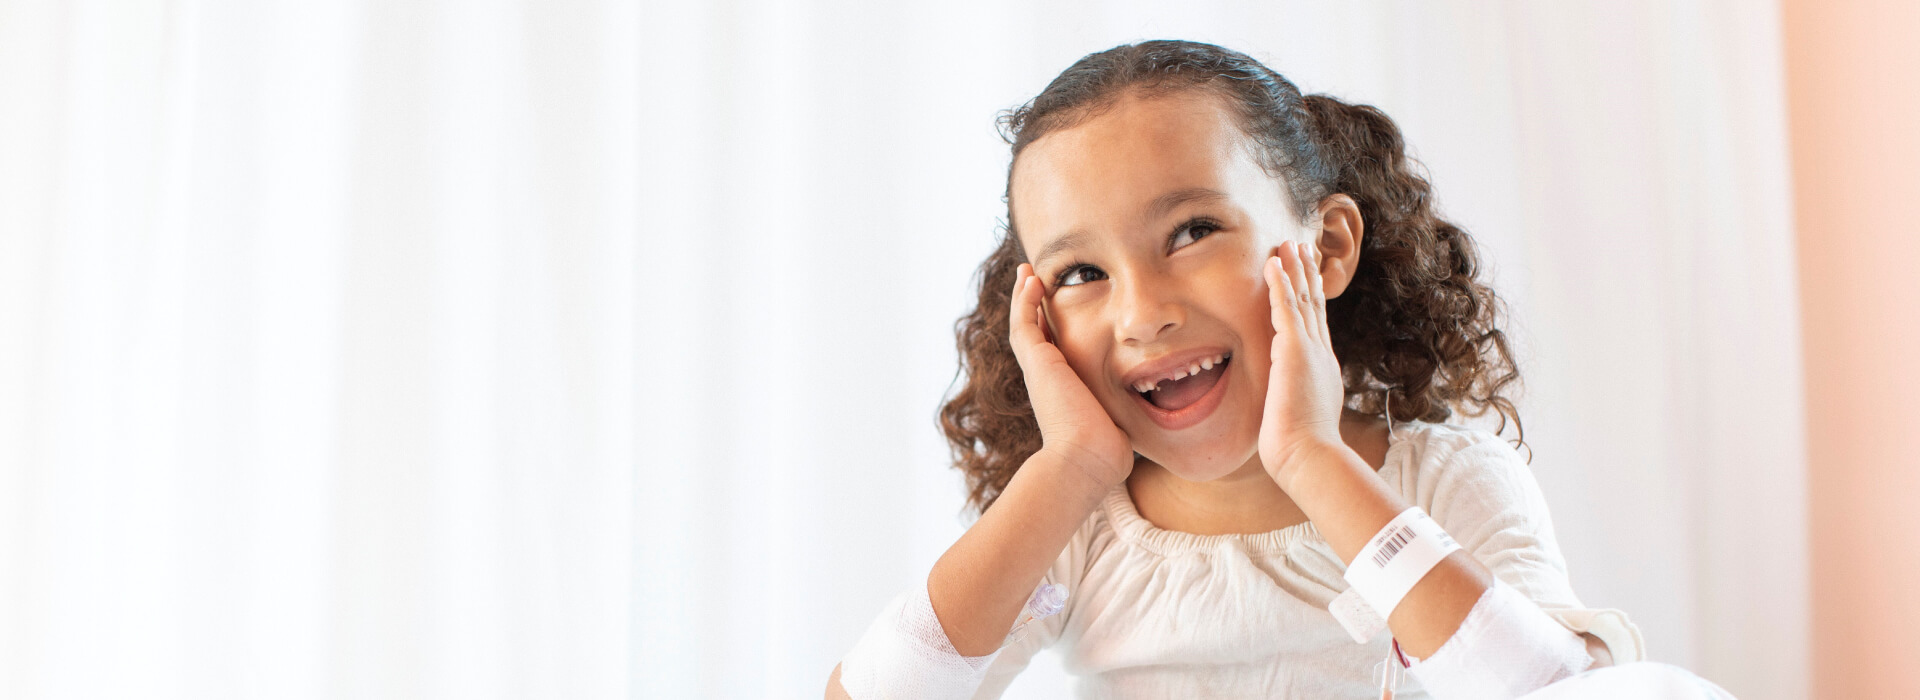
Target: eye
point(1077, 274)
point(1191, 231)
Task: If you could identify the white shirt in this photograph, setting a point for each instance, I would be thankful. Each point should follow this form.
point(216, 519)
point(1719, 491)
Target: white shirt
point(1153, 613)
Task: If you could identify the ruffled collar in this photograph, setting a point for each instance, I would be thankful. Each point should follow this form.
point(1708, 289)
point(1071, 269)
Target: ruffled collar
point(1127, 522)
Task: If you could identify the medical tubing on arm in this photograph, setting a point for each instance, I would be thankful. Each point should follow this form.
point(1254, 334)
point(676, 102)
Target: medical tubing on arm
point(1047, 600)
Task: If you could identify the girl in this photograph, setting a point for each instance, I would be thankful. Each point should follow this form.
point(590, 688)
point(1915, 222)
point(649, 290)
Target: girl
point(1208, 371)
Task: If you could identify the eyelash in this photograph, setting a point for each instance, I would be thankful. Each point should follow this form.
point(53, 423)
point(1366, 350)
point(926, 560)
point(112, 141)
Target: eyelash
point(1188, 227)
point(1060, 280)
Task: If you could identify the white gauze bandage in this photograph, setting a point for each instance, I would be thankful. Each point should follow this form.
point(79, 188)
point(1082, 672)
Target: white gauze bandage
point(1506, 647)
point(905, 654)
point(1395, 559)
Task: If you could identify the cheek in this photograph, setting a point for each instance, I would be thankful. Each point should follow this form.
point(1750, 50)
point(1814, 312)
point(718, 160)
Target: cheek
point(1252, 318)
point(1083, 343)
point(1087, 344)
point(1258, 366)
point(1239, 297)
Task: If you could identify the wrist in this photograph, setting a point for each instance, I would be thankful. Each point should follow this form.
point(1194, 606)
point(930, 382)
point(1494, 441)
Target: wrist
point(1305, 457)
point(1073, 472)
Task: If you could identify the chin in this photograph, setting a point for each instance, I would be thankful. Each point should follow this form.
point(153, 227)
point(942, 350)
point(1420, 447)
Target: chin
point(1216, 448)
point(1204, 465)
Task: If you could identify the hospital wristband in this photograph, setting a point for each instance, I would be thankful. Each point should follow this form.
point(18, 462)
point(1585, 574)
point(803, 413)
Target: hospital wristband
point(1396, 558)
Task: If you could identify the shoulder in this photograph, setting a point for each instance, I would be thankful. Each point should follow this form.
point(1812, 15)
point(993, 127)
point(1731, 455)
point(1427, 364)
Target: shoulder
point(1426, 451)
point(1484, 494)
point(1442, 445)
point(1447, 468)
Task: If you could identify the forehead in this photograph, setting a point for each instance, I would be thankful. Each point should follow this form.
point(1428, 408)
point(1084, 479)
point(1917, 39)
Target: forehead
point(1106, 171)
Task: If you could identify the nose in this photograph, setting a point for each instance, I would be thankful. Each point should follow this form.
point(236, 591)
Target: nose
point(1144, 311)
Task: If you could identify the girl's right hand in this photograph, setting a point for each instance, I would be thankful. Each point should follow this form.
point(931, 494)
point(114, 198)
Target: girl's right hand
point(1073, 424)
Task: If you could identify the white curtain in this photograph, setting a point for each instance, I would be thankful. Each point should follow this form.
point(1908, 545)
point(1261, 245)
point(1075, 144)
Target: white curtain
point(587, 349)
point(318, 350)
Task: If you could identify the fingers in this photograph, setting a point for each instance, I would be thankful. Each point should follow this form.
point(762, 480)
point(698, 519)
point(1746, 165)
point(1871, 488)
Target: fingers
point(1313, 292)
point(1297, 292)
point(1286, 311)
point(1297, 272)
point(1023, 330)
point(1319, 295)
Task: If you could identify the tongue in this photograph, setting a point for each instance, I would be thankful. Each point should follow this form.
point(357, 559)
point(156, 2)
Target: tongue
point(1181, 393)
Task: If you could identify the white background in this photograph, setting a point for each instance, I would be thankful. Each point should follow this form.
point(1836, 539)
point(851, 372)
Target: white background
point(592, 350)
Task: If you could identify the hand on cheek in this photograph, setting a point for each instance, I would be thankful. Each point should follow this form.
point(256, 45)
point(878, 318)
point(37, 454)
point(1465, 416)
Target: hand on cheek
point(1072, 422)
point(1304, 389)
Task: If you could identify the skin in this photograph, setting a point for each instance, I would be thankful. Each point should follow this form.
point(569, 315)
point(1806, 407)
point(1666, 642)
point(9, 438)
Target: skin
point(1117, 282)
point(1139, 301)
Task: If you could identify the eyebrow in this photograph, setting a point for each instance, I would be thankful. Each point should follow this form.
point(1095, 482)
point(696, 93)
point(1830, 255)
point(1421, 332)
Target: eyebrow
point(1172, 200)
point(1156, 209)
point(1053, 247)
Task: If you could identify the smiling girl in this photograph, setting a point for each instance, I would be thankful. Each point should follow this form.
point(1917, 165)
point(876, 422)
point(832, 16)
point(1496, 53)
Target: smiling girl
point(1210, 365)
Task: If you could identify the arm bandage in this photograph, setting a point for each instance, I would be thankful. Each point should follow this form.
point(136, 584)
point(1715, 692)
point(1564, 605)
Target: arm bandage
point(1505, 648)
point(906, 654)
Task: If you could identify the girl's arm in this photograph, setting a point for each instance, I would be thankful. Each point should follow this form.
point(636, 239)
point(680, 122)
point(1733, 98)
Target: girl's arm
point(980, 585)
point(1348, 502)
point(1301, 448)
point(984, 579)
point(982, 582)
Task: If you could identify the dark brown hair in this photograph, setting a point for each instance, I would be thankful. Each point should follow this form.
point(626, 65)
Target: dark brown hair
point(1414, 322)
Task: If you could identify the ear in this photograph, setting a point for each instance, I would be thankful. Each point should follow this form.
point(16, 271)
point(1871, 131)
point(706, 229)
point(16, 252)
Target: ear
point(1340, 230)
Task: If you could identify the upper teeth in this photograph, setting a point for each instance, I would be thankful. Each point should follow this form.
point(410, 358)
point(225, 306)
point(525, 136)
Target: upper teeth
point(1182, 373)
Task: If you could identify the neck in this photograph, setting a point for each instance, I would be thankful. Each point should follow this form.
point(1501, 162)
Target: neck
point(1246, 501)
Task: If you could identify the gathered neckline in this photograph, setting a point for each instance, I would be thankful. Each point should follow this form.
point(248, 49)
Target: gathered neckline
point(1128, 523)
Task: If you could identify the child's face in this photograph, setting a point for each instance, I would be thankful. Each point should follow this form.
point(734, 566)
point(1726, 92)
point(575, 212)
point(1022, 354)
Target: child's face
point(1160, 219)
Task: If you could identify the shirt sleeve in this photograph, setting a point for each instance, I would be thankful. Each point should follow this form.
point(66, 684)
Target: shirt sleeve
point(1486, 497)
point(1068, 570)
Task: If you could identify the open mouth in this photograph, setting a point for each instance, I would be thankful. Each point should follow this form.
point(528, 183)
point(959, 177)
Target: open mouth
point(1189, 396)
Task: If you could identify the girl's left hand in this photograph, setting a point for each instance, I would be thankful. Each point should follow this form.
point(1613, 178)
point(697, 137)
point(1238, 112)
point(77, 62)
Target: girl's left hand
point(1305, 393)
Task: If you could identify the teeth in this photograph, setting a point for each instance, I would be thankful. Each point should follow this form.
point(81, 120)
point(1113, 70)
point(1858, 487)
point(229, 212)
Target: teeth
point(1196, 368)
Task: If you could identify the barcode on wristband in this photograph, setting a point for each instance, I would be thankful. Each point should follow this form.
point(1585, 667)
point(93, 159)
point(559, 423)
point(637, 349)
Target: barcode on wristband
point(1392, 546)
point(1396, 558)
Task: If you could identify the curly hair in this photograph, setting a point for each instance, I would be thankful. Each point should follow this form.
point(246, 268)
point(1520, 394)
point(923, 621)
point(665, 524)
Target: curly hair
point(1414, 323)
